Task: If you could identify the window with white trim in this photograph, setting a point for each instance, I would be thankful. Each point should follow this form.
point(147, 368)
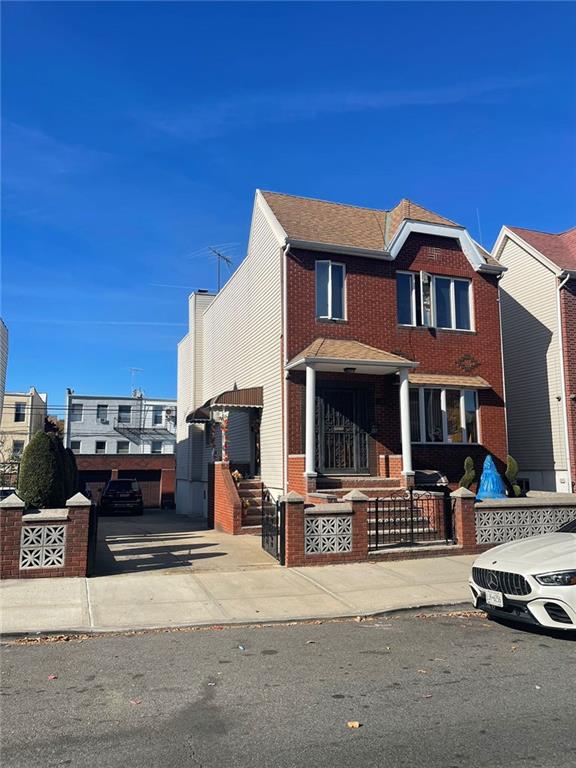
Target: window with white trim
point(330, 290)
point(434, 301)
point(100, 446)
point(156, 446)
point(444, 415)
point(75, 446)
point(76, 412)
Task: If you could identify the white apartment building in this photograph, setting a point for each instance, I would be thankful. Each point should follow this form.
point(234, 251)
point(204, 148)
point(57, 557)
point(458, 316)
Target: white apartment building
point(98, 424)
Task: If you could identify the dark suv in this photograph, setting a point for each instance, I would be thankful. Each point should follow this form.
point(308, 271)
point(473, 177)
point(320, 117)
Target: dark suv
point(121, 497)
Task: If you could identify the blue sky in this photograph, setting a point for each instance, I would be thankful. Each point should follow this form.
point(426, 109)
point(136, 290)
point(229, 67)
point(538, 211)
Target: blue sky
point(134, 135)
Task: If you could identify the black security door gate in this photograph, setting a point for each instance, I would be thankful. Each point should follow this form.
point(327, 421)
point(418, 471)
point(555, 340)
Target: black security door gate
point(273, 527)
point(342, 440)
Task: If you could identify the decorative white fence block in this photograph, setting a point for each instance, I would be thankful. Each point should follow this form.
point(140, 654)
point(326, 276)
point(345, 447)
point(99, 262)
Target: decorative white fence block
point(497, 526)
point(42, 546)
point(327, 534)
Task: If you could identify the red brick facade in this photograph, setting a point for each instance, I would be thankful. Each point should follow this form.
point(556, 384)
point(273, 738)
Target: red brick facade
point(372, 320)
point(12, 521)
point(568, 310)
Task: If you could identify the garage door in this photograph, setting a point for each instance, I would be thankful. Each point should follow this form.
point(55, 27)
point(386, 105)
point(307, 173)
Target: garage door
point(92, 482)
point(149, 482)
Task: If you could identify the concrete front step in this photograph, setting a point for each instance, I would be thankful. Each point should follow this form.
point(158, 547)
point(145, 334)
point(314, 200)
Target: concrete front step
point(252, 483)
point(250, 493)
point(251, 530)
point(333, 482)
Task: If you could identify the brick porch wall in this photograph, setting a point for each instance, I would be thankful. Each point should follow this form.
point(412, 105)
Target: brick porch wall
point(226, 501)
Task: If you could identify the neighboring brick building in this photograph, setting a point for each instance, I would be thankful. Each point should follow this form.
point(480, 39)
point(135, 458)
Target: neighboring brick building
point(372, 337)
point(538, 312)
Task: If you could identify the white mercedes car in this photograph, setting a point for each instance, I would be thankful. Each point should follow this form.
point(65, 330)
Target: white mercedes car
point(531, 580)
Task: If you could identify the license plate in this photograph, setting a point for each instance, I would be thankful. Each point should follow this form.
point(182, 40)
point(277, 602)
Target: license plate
point(494, 598)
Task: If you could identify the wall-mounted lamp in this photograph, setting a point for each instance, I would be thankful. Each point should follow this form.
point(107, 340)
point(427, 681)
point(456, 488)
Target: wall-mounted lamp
point(349, 370)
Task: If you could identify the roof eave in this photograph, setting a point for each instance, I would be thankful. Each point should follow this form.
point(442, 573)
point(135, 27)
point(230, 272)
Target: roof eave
point(350, 250)
point(310, 360)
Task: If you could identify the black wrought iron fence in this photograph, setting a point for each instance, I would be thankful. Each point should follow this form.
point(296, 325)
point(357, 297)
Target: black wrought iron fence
point(273, 527)
point(409, 517)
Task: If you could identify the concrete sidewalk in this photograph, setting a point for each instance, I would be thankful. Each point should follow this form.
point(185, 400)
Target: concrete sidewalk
point(174, 598)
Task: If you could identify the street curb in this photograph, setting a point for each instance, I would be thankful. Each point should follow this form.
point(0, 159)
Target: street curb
point(94, 632)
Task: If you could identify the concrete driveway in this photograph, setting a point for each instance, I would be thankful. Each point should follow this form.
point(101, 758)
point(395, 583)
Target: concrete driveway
point(161, 540)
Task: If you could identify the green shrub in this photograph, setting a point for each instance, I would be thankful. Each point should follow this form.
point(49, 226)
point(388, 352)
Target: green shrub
point(469, 473)
point(511, 475)
point(71, 473)
point(41, 481)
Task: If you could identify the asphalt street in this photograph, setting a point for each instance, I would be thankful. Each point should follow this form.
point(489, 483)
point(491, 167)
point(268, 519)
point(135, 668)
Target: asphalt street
point(427, 689)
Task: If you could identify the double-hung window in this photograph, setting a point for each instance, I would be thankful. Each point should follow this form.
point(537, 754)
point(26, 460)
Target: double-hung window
point(19, 411)
point(440, 415)
point(434, 301)
point(102, 412)
point(157, 414)
point(330, 290)
point(124, 414)
point(76, 412)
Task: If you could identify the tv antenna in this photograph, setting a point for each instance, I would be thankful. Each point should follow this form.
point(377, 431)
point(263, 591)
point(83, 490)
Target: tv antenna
point(219, 258)
point(133, 373)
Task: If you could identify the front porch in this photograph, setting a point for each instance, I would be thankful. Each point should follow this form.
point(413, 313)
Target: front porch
point(352, 405)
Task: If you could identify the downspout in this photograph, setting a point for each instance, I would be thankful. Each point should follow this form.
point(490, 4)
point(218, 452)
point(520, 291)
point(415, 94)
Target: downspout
point(502, 361)
point(563, 381)
point(285, 252)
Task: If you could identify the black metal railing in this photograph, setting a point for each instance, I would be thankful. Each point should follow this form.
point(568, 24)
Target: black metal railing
point(273, 528)
point(409, 517)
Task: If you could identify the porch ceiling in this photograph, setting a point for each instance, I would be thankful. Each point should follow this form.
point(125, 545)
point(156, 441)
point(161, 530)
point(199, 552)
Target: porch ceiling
point(339, 354)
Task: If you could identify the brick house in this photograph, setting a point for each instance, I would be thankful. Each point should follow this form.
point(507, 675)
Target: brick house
point(538, 308)
point(352, 348)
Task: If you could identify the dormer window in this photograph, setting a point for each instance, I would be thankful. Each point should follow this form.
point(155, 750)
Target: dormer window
point(330, 290)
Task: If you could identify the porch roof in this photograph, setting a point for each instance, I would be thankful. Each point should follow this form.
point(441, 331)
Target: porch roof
point(251, 397)
point(441, 380)
point(339, 354)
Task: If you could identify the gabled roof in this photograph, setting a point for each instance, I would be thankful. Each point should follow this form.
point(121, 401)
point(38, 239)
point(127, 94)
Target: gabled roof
point(559, 249)
point(347, 350)
point(307, 220)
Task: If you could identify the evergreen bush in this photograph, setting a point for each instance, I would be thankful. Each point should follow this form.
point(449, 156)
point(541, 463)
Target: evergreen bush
point(511, 475)
point(41, 481)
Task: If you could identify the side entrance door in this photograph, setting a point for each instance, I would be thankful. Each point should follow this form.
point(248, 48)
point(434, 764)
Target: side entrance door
point(341, 436)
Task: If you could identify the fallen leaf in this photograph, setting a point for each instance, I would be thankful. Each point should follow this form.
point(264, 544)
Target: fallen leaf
point(423, 671)
point(353, 724)
point(211, 683)
point(427, 696)
point(52, 677)
point(217, 627)
point(538, 687)
point(310, 642)
point(241, 648)
point(135, 701)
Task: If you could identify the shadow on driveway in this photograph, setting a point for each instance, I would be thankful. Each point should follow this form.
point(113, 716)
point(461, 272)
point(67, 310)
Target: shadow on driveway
point(160, 540)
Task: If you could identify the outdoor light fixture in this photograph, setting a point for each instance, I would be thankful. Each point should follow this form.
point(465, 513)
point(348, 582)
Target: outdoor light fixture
point(349, 370)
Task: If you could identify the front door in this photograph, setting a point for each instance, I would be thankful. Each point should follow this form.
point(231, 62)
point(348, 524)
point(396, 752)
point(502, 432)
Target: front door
point(341, 437)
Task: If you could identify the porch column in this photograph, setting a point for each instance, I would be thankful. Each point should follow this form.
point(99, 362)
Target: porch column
point(406, 432)
point(310, 467)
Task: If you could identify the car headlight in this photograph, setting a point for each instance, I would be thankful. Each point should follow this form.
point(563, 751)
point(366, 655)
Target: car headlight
point(557, 579)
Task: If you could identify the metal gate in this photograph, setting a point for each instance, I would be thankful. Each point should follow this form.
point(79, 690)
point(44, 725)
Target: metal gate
point(410, 517)
point(273, 528)
point(342, 440)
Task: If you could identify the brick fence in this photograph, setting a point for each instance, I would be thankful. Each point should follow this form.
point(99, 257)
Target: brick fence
point(329, 533)
point(43, 542)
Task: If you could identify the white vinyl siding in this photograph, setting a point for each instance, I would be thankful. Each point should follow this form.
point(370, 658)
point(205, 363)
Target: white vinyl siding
point(239, 436)
point(242, 339)
point(528, 300)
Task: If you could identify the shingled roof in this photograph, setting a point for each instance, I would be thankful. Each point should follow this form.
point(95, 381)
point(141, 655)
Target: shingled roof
point(559, 249)
point(350, 226)
point(304, 218)
point(349, 350)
